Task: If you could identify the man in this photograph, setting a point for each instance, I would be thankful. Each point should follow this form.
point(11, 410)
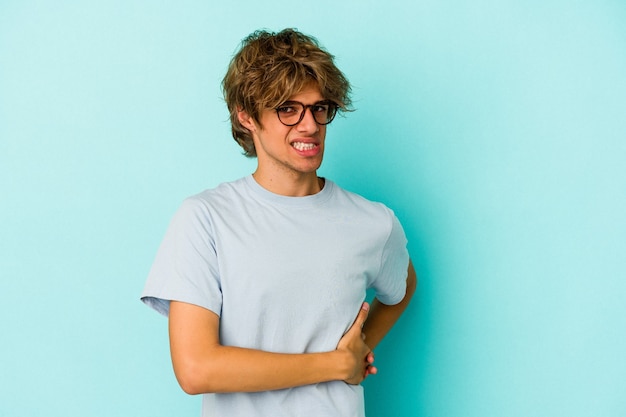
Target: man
point(262, 277)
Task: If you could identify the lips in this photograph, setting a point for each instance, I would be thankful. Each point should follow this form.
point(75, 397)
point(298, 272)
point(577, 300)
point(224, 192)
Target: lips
point(303, 146)
point(306, 148)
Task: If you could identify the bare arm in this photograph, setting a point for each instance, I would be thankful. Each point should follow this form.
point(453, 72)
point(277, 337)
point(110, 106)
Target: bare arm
point(382, 317)
point(202, 365)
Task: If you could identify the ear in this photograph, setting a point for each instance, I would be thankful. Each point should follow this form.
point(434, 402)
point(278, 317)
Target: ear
point(246, 120)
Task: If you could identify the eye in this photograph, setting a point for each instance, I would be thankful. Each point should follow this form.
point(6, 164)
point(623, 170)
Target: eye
point(287, 109)
point(320, 108)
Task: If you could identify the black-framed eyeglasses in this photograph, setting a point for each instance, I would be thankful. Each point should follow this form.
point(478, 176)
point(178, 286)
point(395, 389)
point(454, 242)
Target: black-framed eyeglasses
point(290, 113)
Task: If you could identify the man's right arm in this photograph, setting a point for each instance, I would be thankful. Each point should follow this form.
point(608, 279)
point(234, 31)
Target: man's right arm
point(203, 365)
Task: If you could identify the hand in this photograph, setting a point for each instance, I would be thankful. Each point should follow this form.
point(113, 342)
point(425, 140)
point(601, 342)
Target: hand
point(359, 357)
point(370, 369)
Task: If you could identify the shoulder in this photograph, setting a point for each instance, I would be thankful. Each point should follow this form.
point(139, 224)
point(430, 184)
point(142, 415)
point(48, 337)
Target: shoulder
point(202, 208)
point(224, 193)
point(353, 200)
point(375, 215)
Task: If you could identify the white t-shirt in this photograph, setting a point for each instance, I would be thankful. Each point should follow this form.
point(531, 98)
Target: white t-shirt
point(285, 274)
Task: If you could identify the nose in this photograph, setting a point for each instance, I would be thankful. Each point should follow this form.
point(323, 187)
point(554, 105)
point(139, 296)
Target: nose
point(308, 123)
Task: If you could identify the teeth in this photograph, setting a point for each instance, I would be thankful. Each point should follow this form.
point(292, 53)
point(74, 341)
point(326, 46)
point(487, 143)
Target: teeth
point(301, 146)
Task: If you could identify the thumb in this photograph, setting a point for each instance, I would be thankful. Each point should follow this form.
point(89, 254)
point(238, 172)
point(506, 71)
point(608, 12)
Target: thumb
point(362, 316)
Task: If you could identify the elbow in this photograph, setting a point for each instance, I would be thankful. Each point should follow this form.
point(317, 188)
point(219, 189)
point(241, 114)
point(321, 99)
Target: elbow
point(192, 380)
point(188, 383)
point(189, 386)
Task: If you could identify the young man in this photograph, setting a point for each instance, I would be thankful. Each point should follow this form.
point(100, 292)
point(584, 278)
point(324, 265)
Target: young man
point(262, 278)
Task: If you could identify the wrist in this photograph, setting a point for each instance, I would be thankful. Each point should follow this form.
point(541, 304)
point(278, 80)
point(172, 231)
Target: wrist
point(343, 363)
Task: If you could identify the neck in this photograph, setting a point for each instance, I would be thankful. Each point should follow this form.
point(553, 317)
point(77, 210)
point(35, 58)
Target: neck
point(298, 186)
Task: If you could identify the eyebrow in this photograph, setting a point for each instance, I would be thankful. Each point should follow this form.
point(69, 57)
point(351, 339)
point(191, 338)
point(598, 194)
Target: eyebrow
point(323, 101)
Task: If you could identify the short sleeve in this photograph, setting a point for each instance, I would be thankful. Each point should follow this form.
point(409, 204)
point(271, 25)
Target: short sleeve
point(390, 285)
point(185, 268)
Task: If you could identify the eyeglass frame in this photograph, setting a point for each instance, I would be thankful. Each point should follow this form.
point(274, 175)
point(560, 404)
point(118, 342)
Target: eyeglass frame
point(332, 108)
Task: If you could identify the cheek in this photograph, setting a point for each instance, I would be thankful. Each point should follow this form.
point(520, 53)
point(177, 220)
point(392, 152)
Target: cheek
point(322, 132)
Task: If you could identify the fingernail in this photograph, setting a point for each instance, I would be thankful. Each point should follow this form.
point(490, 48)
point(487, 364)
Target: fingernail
point(365, 306)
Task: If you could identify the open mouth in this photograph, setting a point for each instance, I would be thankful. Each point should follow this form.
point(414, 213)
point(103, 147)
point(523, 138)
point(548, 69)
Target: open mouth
point(302, 146)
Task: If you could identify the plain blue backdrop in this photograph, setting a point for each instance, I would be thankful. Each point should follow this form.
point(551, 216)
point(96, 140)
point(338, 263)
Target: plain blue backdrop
point(495, 130)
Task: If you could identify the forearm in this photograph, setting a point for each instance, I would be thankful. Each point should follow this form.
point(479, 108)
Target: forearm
point(232, 369)
point(382, 317)
point(203, 365)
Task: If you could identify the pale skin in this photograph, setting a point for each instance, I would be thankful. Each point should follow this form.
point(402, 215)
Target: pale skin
point(202, 364)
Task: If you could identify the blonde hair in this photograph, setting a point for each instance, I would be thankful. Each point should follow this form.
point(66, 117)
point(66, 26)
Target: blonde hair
point(271, 67)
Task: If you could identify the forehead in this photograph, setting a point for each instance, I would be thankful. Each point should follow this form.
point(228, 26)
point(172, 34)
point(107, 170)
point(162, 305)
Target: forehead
point(309, 94)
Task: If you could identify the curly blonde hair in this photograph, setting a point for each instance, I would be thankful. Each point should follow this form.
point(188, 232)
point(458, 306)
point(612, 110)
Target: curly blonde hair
point(271, 67)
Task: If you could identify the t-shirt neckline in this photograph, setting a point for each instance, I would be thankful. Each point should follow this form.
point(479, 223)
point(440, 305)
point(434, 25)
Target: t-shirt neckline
point(304, 201)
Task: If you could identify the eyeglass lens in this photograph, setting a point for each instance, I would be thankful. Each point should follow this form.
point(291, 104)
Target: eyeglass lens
point(291, 113)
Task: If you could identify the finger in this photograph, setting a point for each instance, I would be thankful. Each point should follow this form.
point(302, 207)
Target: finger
point(370, 370)
point(360, 319)
point(362, 316)
point(369, 358)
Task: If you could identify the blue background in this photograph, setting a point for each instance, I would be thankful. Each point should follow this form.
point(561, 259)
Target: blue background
point(495, 130)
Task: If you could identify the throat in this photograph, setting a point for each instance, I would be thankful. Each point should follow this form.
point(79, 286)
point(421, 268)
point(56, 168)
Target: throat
point(300, 187)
